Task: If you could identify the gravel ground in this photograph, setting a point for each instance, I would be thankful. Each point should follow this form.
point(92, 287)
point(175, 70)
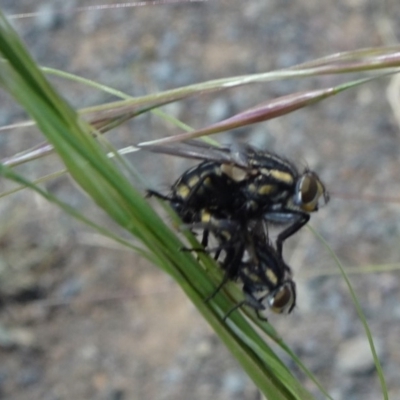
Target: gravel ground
point(81, 318)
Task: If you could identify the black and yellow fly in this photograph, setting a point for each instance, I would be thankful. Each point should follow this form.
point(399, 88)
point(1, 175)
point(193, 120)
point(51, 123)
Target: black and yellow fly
point(233, 194)
point(243, 184)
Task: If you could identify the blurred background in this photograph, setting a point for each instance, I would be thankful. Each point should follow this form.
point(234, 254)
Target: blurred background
point(82, 318)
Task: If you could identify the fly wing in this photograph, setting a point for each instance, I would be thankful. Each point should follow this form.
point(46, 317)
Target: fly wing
point(202, 151)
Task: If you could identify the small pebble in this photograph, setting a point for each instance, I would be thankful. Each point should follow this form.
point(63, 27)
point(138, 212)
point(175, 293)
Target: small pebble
point(16, 338)
point(355, 357)
point(234, 382)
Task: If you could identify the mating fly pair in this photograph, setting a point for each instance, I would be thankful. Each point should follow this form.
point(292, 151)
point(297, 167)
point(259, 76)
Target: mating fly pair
point(233, 194)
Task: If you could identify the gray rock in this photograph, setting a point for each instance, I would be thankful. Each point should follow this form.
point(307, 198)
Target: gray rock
point(29, 376)
point(234, 382)
point(16, 338)
point(355, 357)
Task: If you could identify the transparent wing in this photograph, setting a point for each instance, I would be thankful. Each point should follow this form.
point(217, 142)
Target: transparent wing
point(202, 151)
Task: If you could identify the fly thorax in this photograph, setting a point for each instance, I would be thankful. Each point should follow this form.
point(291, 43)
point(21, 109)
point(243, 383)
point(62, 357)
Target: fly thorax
point(271, 276)
point(205, 217)
point(182, 190)
point(279, 176)
point(251, 206)
point(235, 173)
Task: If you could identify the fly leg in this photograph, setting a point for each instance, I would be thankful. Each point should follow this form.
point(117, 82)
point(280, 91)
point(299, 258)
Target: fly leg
point(295, 219)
